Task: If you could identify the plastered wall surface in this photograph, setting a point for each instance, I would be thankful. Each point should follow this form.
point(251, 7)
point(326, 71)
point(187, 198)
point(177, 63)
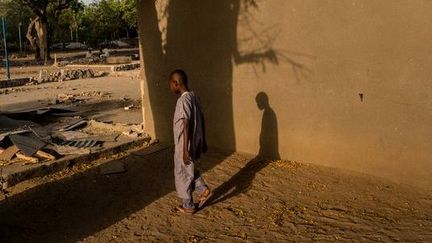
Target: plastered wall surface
point(342, 83)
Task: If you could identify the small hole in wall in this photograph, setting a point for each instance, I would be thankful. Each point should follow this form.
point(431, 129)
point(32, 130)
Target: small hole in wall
point(361, 96)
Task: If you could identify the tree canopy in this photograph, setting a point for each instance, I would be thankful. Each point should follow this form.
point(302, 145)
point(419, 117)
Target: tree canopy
point(72, 20)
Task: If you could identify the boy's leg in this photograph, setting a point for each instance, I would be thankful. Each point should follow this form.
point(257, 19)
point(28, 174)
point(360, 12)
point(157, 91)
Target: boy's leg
point(201, 187)
point(199, 183)
point(184, 178)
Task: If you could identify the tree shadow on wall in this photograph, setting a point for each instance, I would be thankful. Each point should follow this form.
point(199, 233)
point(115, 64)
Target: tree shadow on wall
point(200, 36)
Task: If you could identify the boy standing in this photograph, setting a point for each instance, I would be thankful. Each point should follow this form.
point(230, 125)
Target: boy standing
point(190, 143)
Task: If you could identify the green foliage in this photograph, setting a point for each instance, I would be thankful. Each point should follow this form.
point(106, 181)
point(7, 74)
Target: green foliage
point(97, 22)
point(15, 14)
point(109, 20)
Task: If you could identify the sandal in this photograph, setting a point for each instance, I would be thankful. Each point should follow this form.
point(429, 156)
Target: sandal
point(181, 209)
point(204, 197)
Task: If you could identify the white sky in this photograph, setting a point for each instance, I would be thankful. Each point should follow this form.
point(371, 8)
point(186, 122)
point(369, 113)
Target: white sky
point(88, 1)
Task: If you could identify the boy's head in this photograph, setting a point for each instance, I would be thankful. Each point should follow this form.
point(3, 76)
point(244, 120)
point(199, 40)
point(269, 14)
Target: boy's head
point(262, 101)
point(178, 81)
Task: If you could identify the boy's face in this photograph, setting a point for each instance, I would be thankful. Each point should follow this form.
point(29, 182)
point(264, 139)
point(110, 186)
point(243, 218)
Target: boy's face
point(174, 84)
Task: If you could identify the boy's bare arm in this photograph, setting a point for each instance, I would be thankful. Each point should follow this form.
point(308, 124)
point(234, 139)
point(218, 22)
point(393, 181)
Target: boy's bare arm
point(186, 157)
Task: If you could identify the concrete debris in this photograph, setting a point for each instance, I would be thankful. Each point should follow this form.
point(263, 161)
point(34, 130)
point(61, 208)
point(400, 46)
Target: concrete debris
point(125, 67)
point(64, 75)
point(130, 130)
point(25, 141)
point(65, 98)
point(131, 134)
point(95, 94)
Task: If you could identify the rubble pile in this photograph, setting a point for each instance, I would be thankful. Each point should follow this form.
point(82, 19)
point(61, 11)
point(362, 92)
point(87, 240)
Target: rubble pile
point(125, 67)
point(64, 75)
point(66, 98)
point(94, 59)
point(34, 141)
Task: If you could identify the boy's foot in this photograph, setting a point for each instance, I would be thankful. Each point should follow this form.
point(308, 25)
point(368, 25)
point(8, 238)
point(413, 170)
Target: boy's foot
point(188, 211)
point(204, 197)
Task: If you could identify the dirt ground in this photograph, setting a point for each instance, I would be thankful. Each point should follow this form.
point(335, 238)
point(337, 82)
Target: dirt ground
point(255, 201)
point(102, 98)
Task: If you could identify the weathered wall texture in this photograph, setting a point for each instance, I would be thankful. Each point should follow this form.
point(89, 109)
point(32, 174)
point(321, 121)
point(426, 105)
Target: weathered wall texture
point(348, 82)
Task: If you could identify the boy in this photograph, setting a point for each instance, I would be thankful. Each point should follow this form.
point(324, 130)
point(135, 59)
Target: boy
point(190, 142)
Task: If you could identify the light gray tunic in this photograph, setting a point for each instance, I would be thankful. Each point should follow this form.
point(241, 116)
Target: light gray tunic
point(186, 176)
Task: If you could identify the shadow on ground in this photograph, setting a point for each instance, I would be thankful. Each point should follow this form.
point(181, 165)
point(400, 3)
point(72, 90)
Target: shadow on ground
point(79, 206)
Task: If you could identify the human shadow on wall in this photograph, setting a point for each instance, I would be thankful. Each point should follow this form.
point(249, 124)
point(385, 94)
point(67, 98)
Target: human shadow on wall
point(200, 37)
point(242, 181)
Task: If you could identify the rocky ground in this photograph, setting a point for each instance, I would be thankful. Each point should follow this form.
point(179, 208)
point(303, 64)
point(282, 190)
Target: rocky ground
point(255, 201)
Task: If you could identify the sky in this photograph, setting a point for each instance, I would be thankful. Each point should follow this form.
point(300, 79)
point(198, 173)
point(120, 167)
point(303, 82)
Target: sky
point(88, 1)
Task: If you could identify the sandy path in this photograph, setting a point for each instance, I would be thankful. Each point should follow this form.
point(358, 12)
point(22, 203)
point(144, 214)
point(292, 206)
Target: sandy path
point(255, 202)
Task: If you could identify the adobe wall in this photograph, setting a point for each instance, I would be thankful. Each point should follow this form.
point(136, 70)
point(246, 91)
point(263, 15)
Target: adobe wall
point(348, 82)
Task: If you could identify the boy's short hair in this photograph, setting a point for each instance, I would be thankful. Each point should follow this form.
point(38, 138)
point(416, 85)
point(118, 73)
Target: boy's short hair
point(182, 74)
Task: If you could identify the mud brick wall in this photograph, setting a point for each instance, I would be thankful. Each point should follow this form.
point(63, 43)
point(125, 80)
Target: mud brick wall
point(348, 82)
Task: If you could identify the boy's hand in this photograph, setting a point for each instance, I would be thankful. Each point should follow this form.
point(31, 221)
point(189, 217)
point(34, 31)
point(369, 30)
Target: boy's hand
point(186, 157)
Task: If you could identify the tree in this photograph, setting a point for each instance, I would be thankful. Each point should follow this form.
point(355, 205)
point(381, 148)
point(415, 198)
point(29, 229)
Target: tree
point(68, 25)
point(15, 14)
point(43, 10)
point(129, 14)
